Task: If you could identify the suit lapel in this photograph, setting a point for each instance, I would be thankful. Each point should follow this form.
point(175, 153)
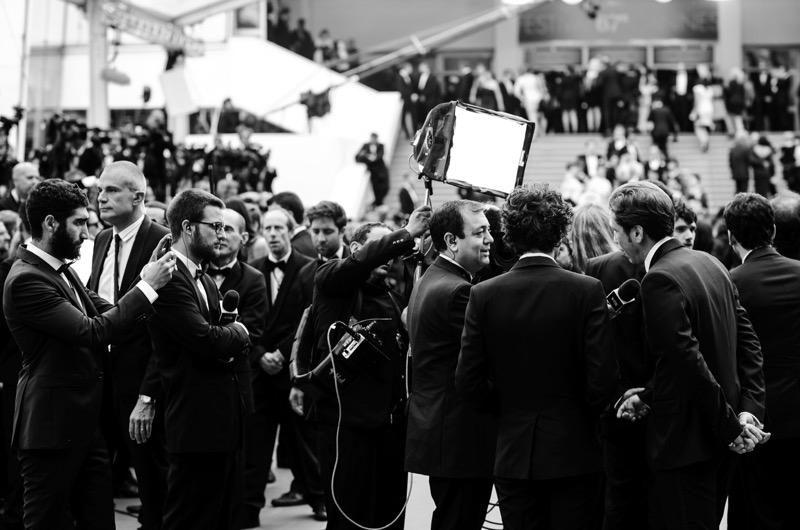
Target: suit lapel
point(288, 277)
point(99, 256)
point(213, 298)
point(132, 267)
point(87, 304)
point(193, 287)
point(65, 289)
point(664, 249)
point(233, 278)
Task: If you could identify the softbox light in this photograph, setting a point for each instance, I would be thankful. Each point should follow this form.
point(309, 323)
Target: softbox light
point(472, 147)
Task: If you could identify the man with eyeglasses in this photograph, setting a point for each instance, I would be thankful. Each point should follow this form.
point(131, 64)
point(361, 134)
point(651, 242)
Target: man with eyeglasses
point(196, 358)
point(119, 254)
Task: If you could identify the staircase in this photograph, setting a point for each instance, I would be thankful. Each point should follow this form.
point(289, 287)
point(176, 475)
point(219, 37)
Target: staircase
point(550, 154)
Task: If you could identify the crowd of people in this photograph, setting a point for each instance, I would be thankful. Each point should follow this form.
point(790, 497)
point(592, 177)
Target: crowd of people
point(503, 366)
point(606, 94)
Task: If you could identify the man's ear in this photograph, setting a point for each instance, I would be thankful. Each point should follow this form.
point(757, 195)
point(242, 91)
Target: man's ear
point(51, 223)
point(636, 234)
point(450, 240)
point(732, 239)
point(355, 246)
point(138, 198)
point(245, 237)
point(186, 226)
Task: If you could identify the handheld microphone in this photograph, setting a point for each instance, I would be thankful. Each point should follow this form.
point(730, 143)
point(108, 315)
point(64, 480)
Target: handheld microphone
point(622, 296)
point(230, 303)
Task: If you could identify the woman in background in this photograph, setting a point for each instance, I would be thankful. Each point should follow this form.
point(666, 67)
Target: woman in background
point(591, 234)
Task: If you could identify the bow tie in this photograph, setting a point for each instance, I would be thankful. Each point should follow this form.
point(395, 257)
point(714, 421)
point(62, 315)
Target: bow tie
point(271, 265)
point(198, 273)
point(219, 272)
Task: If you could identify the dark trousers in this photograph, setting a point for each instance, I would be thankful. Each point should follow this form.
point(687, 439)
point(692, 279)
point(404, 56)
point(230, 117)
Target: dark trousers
point(681, 107)
point(272, 409)
point(627, 475)
point(461, 503)
point(66, 485)
point(149, 460)
point(760, 498)
point(662, 142)
point(686, 498)
point(763, 186)
point(741, 185)
point(201, 488)
point(572, 503)
point(370, 483)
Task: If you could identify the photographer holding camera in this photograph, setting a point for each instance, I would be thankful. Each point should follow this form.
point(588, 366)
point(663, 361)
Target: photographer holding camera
point(362, 426)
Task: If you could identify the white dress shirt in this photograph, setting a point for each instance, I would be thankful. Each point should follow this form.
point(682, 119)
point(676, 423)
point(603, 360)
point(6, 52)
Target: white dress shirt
point(649, 258)
point(276, 276)
point(192, 266)
point(457, 264)
point(220, 279)
point(105, 287)
point(538, 254)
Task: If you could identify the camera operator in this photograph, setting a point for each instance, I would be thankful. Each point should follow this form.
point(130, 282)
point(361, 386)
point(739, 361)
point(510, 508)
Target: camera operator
point(367, 445)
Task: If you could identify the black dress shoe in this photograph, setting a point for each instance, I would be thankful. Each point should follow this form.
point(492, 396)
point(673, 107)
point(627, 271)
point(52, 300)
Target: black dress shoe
point(134, 509)
point(290, 498)
point(320, 514)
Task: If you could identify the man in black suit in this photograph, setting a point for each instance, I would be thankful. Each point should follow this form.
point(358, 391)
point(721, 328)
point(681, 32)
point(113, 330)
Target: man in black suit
point(535, 342)
point(288, 294)
point(427, 90)
point(449, 439)
point(769, 286)
point(706, 392)
point(739, 161)
point(663, 123)
point(405, 86)
point(120, 253)
point(371, 154)
point(196, 357)
point(301, 239)
point(625, 460)
point(366, 435)
point(25, 176)
point(229, 274)
point(787, 224)
point(63, 331)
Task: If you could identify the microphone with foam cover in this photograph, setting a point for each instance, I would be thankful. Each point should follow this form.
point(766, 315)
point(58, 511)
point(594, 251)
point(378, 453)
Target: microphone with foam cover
point(622, 296)
point(230, 304)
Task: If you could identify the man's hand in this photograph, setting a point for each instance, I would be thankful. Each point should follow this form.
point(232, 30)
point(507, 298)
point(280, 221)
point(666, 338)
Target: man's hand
point(140, 423)
point(632, 408)
point(296, 399)
point(163, 246)
point(419, 221)
point(742, 444)
point(271, 362)
point(753, 428)
point(158, 273)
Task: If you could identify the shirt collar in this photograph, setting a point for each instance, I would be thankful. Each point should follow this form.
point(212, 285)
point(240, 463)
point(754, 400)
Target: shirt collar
point(538, 255)
point(191, 265)
point(297, 230)
point(457, 264)
point(284, 259)
point(228, 266)
point(649, 258)
point(15, 194)
point(128, 232)
point(47, 258)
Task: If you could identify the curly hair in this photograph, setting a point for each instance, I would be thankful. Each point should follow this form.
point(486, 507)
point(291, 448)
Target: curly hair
point(54, 197)
point(751, 220)
point(535, 218)
point(362, 232)
point(683, 212)
point(328, 210)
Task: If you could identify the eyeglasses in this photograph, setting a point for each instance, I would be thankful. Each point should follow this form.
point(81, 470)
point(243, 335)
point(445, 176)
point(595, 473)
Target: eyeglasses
point(217, 227)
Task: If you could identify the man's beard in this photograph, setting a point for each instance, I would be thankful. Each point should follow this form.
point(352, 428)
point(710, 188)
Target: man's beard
point(202, 250)
point(65, 248)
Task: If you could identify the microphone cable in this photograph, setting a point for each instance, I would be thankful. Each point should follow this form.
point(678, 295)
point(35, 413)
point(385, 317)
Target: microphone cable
point(338, 429)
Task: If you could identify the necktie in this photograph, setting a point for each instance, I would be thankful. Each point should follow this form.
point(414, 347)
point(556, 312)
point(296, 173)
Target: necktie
point(65, 270)
point(219, 272)
point(117, 250)
point(271, 265)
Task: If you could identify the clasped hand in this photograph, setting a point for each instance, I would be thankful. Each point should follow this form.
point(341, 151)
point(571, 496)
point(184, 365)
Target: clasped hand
point(752, 434)
point(631, 407)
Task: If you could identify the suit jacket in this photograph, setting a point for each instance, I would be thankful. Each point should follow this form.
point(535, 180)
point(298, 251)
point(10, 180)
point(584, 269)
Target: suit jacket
point(707, 357)
point(60, 391)
point(130, 353)
point(249, 283)
point(202, 400)
point(302, 243)
point(338, 285)
point(664, 122)
point(635, 366)
point(447, 436)
point(282, 317)
point(537, 338)
point(769, 287)
point(739, 160)
point(8, 202)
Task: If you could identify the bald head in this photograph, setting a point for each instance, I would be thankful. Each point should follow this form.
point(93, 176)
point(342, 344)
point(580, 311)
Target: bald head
point(122, 191)
point(233, 218)
point(25, 176)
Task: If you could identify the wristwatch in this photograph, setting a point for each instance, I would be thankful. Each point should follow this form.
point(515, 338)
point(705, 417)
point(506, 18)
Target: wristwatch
point(146, 400)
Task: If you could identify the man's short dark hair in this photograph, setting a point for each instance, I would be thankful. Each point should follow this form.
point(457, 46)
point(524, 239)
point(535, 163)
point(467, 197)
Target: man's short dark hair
point(188, 205)
point(751, 220)
point(448, 218)
point(290, 201)
point(645, 204)
point(328, 210)
point(786, 206)
point(535, 217)
point(683, 212)
point(54, 197)
point(362, 232)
